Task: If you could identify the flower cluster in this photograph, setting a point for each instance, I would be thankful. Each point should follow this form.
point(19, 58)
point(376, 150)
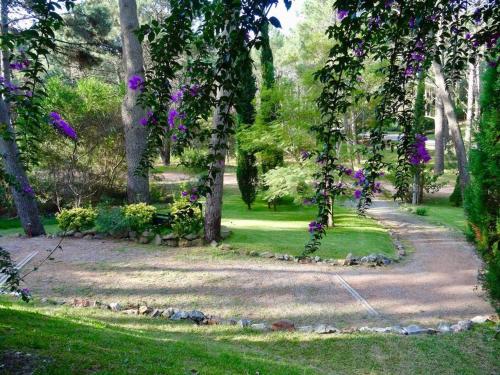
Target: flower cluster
point(305, 154)
point(418, 153)
point(341, 14)
point(149, 119)
point(135, 83)
point(315, 226)
point(192, 194)
point(19, 65)
point(61, 125)
point(28, 190)
point(415, 60)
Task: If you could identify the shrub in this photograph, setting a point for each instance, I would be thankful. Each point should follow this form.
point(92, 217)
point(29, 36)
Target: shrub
point(194, 159)
point(456, 198)
point(482, 196)
point(187, 217)
point(421, 211)
point(76, 218)
point(112, 221)
point(247, 175)
point(139, 216)
point(293, 181)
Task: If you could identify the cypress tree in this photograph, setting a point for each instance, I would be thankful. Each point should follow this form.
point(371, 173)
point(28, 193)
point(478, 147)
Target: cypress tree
point(246, 169)
point(482, 197)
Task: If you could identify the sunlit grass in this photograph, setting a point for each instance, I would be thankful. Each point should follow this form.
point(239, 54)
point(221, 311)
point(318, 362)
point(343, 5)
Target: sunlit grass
point(286, 229)
point(81, 341)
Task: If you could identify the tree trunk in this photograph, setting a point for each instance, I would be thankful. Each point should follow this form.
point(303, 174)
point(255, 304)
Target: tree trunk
point(165, 152)
point(417, 188)
point(218, 146)
point(135, 134)
point(470, 105)
point(451, 117)
point(24, 199)
point(439, 123)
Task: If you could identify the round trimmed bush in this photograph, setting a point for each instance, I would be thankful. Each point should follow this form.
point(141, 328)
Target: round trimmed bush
point(76, 219)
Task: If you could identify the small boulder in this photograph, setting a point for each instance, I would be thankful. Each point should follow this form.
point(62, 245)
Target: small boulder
point(78, 235)
point(463, 325)
point(88, 237)
point(196, 316)
point(349, 260)
point(99, 236)
point(225, 247)
point(115, 306)
point(155, 313)
point(444, 327)
point(480, 319)
point(213, 243)
point(180, 315)
point(132, 234)
point(158, 240)
point(259, 327)
point(324, 329)
point(144, 240)
point(305, 329)
point(244, 322)
point(184, 243)
point(267, 254)
point(170, 236)
point(131, 312)
point(414, 329)
point(81, 303)
point(283, 325)
point(172, 242)
point(168, 313)
point(191, 236)
point(143, 310)
point(197, 242)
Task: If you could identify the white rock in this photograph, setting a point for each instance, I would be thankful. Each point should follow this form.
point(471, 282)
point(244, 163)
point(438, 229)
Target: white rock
point(115, 306)
point(259, 327)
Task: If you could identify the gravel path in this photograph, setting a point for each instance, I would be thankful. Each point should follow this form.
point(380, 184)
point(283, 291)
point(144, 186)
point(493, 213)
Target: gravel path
point(436, 282)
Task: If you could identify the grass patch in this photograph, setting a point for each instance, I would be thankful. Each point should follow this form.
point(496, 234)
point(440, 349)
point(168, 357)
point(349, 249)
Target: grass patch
point(440, 211)
point(12, 226)
point(285, 230)
point(82, 341)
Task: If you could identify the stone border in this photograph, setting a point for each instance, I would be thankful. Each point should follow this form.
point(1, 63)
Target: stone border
point(201, 318)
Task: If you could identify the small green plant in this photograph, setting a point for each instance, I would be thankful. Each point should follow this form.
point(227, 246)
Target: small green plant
point(187, 217)
point(421, 211)
point(293, 182)
point(76, 218)
point(139, 216)
point(194, 159)
point(112, 221)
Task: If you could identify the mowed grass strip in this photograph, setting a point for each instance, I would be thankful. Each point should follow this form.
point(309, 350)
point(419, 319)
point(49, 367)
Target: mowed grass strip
point(82, 341)
point(286, 229)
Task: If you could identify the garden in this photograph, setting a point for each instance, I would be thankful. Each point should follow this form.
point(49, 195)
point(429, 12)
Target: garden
point(249, 187)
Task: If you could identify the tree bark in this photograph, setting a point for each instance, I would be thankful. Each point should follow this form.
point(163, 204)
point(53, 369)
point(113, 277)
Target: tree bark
point(439, 136)
point(135, 134)
point(451, 117)
point(470, 105)
point(165, 152)
point(24, 199)
point(218, 147)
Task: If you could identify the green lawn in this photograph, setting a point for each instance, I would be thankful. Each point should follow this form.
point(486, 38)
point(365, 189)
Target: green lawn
point(440, 211)
point(286, 230)
point(83, 341)
point(13, 226)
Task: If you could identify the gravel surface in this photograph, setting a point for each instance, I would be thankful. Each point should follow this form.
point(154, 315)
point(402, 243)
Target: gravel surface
point(436, 282)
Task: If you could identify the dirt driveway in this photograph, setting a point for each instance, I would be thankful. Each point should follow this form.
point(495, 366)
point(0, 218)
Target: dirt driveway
point(437, 282)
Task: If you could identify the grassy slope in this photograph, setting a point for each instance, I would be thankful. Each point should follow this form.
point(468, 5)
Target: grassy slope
point(285, 230)
point(13, 226)
point(82, 341)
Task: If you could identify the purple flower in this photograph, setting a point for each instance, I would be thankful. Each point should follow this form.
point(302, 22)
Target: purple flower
point(177, 96)
point(184, 193)
point(182, 128)
point(171, 117)
point(305, 154)
point(468, 36)
point(315, 226)
point(143, 121)
point(341, 14)
point(418, 154)
point(359, 175)
point(348, 171)
point(28, 94)
point(409, 71)
point(173, 138)
point(412, 23)
point(388, 3)
point(358, 51)
point(62, 126)
point(27, 189)
point(417, 56)
point(135, 82)
point(357, 194)
point(194, 89)
point(25, 291)
point(193, 198)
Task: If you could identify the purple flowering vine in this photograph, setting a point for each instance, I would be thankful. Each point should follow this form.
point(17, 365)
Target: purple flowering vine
point(62, 126)
point(418, 154)
point(341, 14)
point(315, 226)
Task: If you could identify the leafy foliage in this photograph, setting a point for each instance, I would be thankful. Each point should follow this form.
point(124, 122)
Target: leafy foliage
point(139, 216)
point(13, 279)
point(111, 220)
point(76, 219)
point(482, 197)
point(292, 181)
point(187, 217)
